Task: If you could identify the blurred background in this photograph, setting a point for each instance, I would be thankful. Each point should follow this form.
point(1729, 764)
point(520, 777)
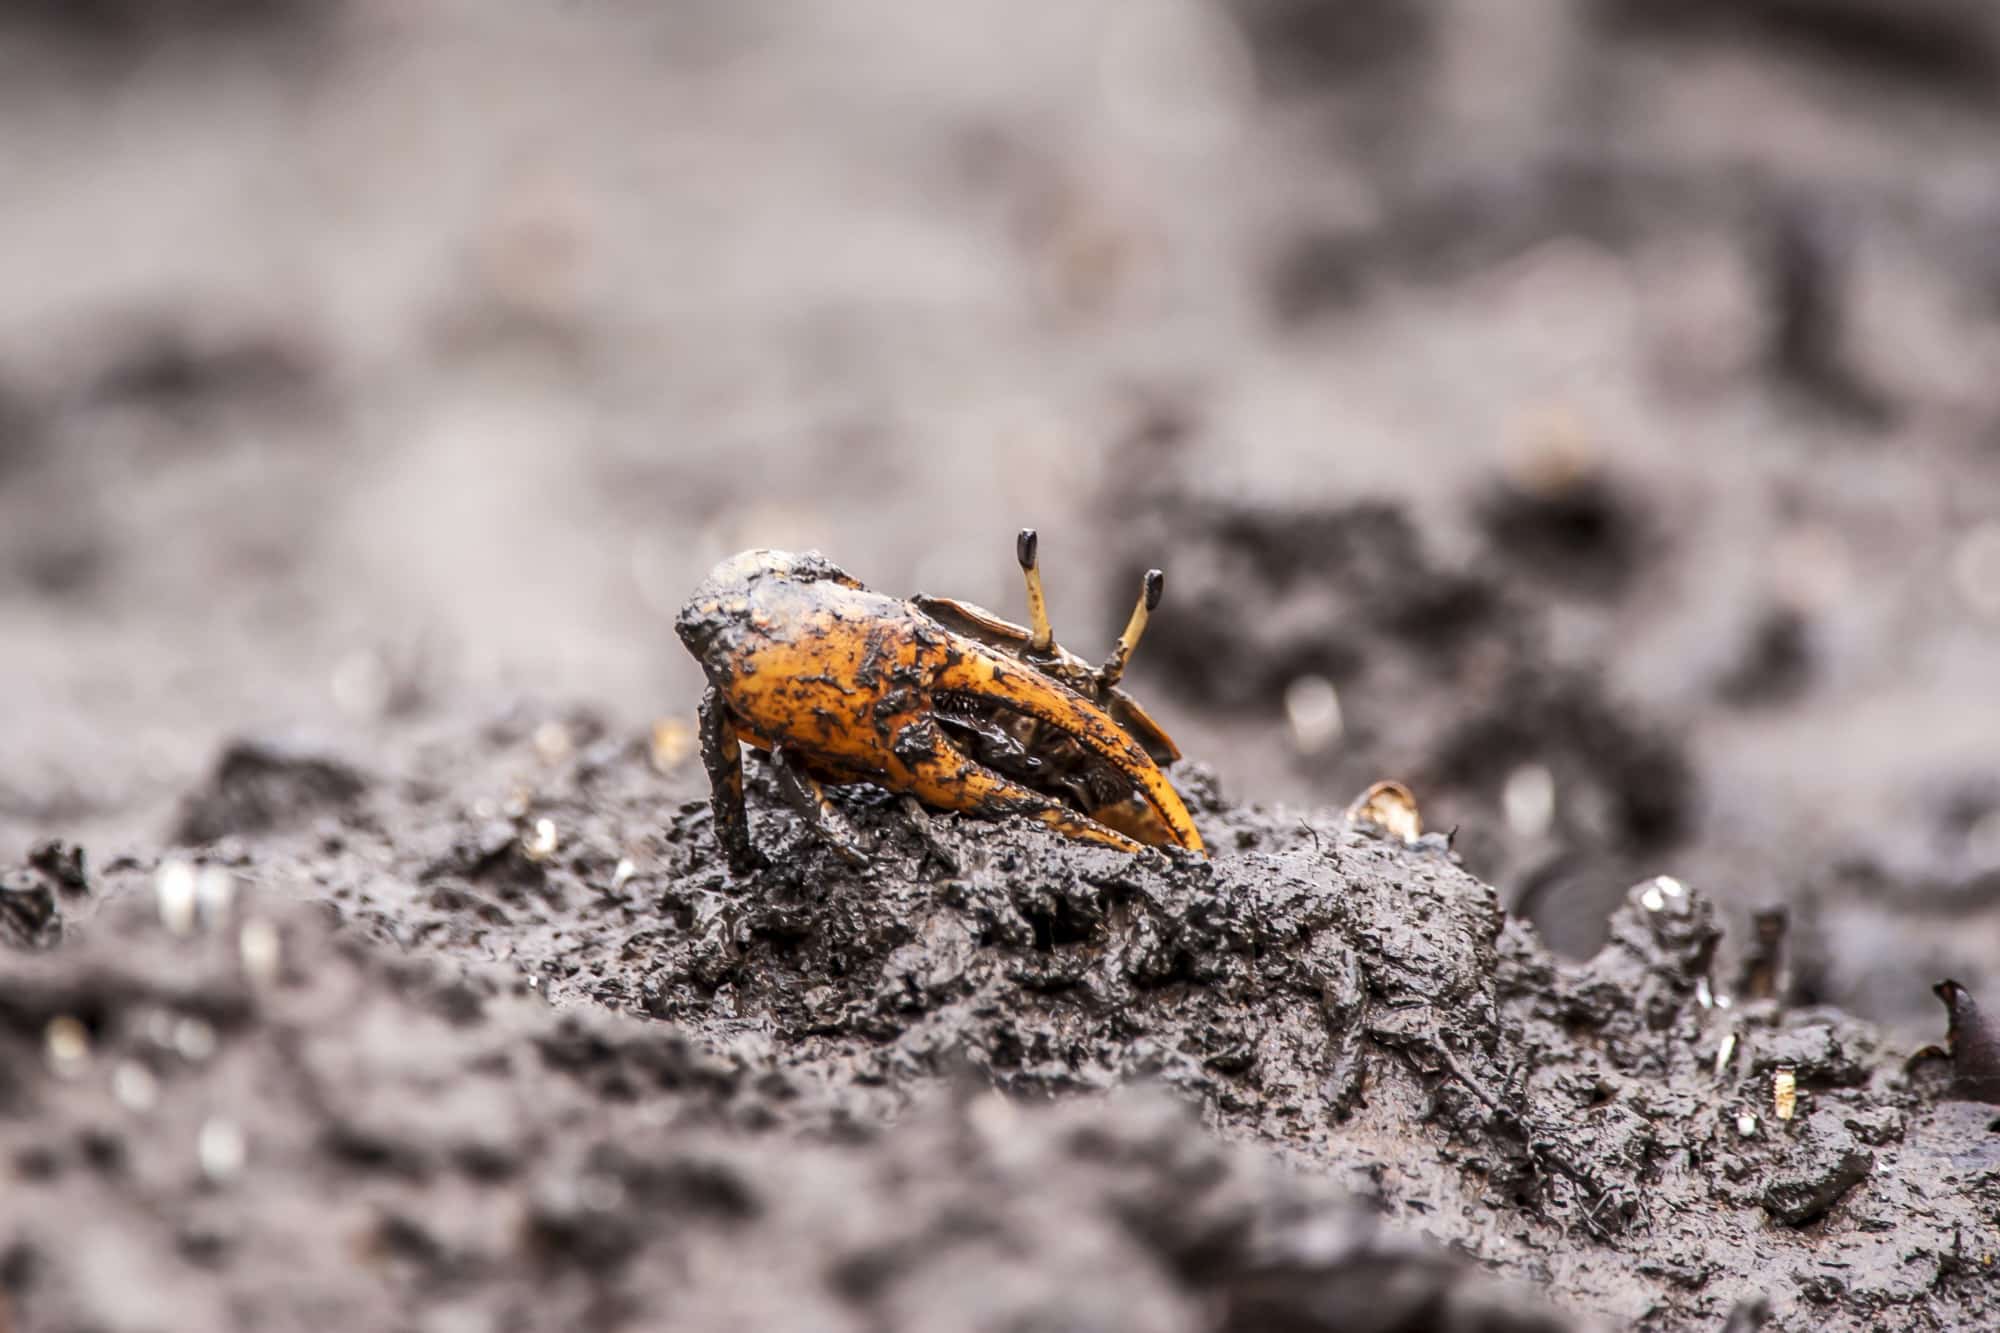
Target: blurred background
point(1585, 410)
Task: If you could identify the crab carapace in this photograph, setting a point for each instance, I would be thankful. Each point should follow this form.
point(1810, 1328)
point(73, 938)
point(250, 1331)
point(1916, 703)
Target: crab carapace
point(932, 698)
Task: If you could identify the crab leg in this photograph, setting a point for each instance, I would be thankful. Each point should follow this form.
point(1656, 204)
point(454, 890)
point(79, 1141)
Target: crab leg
point(722, 756)
point(943, 775)
point(802, 791)
point(1149, 598)
point(1038, 697)
point(1042, 636)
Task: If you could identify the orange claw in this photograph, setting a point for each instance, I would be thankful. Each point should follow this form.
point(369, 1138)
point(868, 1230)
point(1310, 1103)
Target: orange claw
point(1050, 702)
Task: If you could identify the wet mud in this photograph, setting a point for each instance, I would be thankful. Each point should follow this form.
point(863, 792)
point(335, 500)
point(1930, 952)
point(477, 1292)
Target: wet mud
point(437, 1064)
point(1583, 414)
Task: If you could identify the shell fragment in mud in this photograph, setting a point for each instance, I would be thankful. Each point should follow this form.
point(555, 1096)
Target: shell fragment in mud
point(1388, 808)
point(174, 887)
point(672, 743)
point(1659, 891)
point(541, 843)
point(1785, 1092)
point(220, 1149)
point(68, 1044)
point(134, 1086)
point(261, 949)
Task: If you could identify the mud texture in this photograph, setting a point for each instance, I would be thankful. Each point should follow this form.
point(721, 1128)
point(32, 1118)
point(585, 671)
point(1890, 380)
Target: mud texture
point(1583, 412)
point(554, 1063)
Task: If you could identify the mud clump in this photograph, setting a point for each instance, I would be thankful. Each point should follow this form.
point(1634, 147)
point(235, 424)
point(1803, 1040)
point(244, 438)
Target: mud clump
point(31, 897)
point(360, 1139)
point(260, 785)
point(1444, 677)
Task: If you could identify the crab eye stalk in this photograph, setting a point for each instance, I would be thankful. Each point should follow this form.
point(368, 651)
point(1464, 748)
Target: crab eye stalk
point(1026, 548)
point(1149, 598)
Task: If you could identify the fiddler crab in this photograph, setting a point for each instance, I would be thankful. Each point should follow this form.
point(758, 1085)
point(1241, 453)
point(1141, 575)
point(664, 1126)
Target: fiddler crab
point(935, 699)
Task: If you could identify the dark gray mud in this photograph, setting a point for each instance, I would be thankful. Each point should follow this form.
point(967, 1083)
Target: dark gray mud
point(1584, 412)
point(439, 1059)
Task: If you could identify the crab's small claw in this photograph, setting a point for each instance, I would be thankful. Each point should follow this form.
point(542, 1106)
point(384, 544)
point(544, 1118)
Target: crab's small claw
point(1042, 636)
point(1113, 669)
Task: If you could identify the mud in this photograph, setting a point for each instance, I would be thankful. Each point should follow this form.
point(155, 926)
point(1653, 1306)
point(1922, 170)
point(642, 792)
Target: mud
point(519, 1079)
point(1582, 412)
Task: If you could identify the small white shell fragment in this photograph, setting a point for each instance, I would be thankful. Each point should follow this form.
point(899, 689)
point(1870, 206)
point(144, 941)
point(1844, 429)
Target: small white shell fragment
point(261, 949)
point(1529, 800)
point(1746, 1124)
point(1660, 890)
point(1784, 1092)
point(553, 743)
point(68, 1044)
point(1724, 1053)
point(134, 1086)
point(541, 844)
point(214, 893)
point(1703, 994)
point(673, 742)
point(622, 874)
point(1312, 710)
point(194, 1038)
point(220, 1149)
point(174, 886)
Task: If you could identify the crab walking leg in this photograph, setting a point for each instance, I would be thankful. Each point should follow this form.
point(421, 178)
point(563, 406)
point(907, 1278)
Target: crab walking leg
point(804, 794)
point(943, 775)
point(920, 820)
point(1042, 636)
point(722, 756)
point(1113, 669)
point(1035, 695)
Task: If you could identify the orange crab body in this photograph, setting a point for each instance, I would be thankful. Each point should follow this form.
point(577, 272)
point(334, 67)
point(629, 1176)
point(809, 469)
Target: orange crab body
point(841, 684)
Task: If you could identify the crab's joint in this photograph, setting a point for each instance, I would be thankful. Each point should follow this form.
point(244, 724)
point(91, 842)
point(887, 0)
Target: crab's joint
point(1042, 636)
point(913, 811)
point(1113, 669)
point(804, 794)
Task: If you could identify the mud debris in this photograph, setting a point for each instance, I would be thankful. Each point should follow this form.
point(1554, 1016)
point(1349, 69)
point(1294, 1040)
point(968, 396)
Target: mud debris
point(260, 785)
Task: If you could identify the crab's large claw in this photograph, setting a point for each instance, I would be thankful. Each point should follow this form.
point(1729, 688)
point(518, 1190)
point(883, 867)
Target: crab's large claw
point(943, 775)
point(1034, 695)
